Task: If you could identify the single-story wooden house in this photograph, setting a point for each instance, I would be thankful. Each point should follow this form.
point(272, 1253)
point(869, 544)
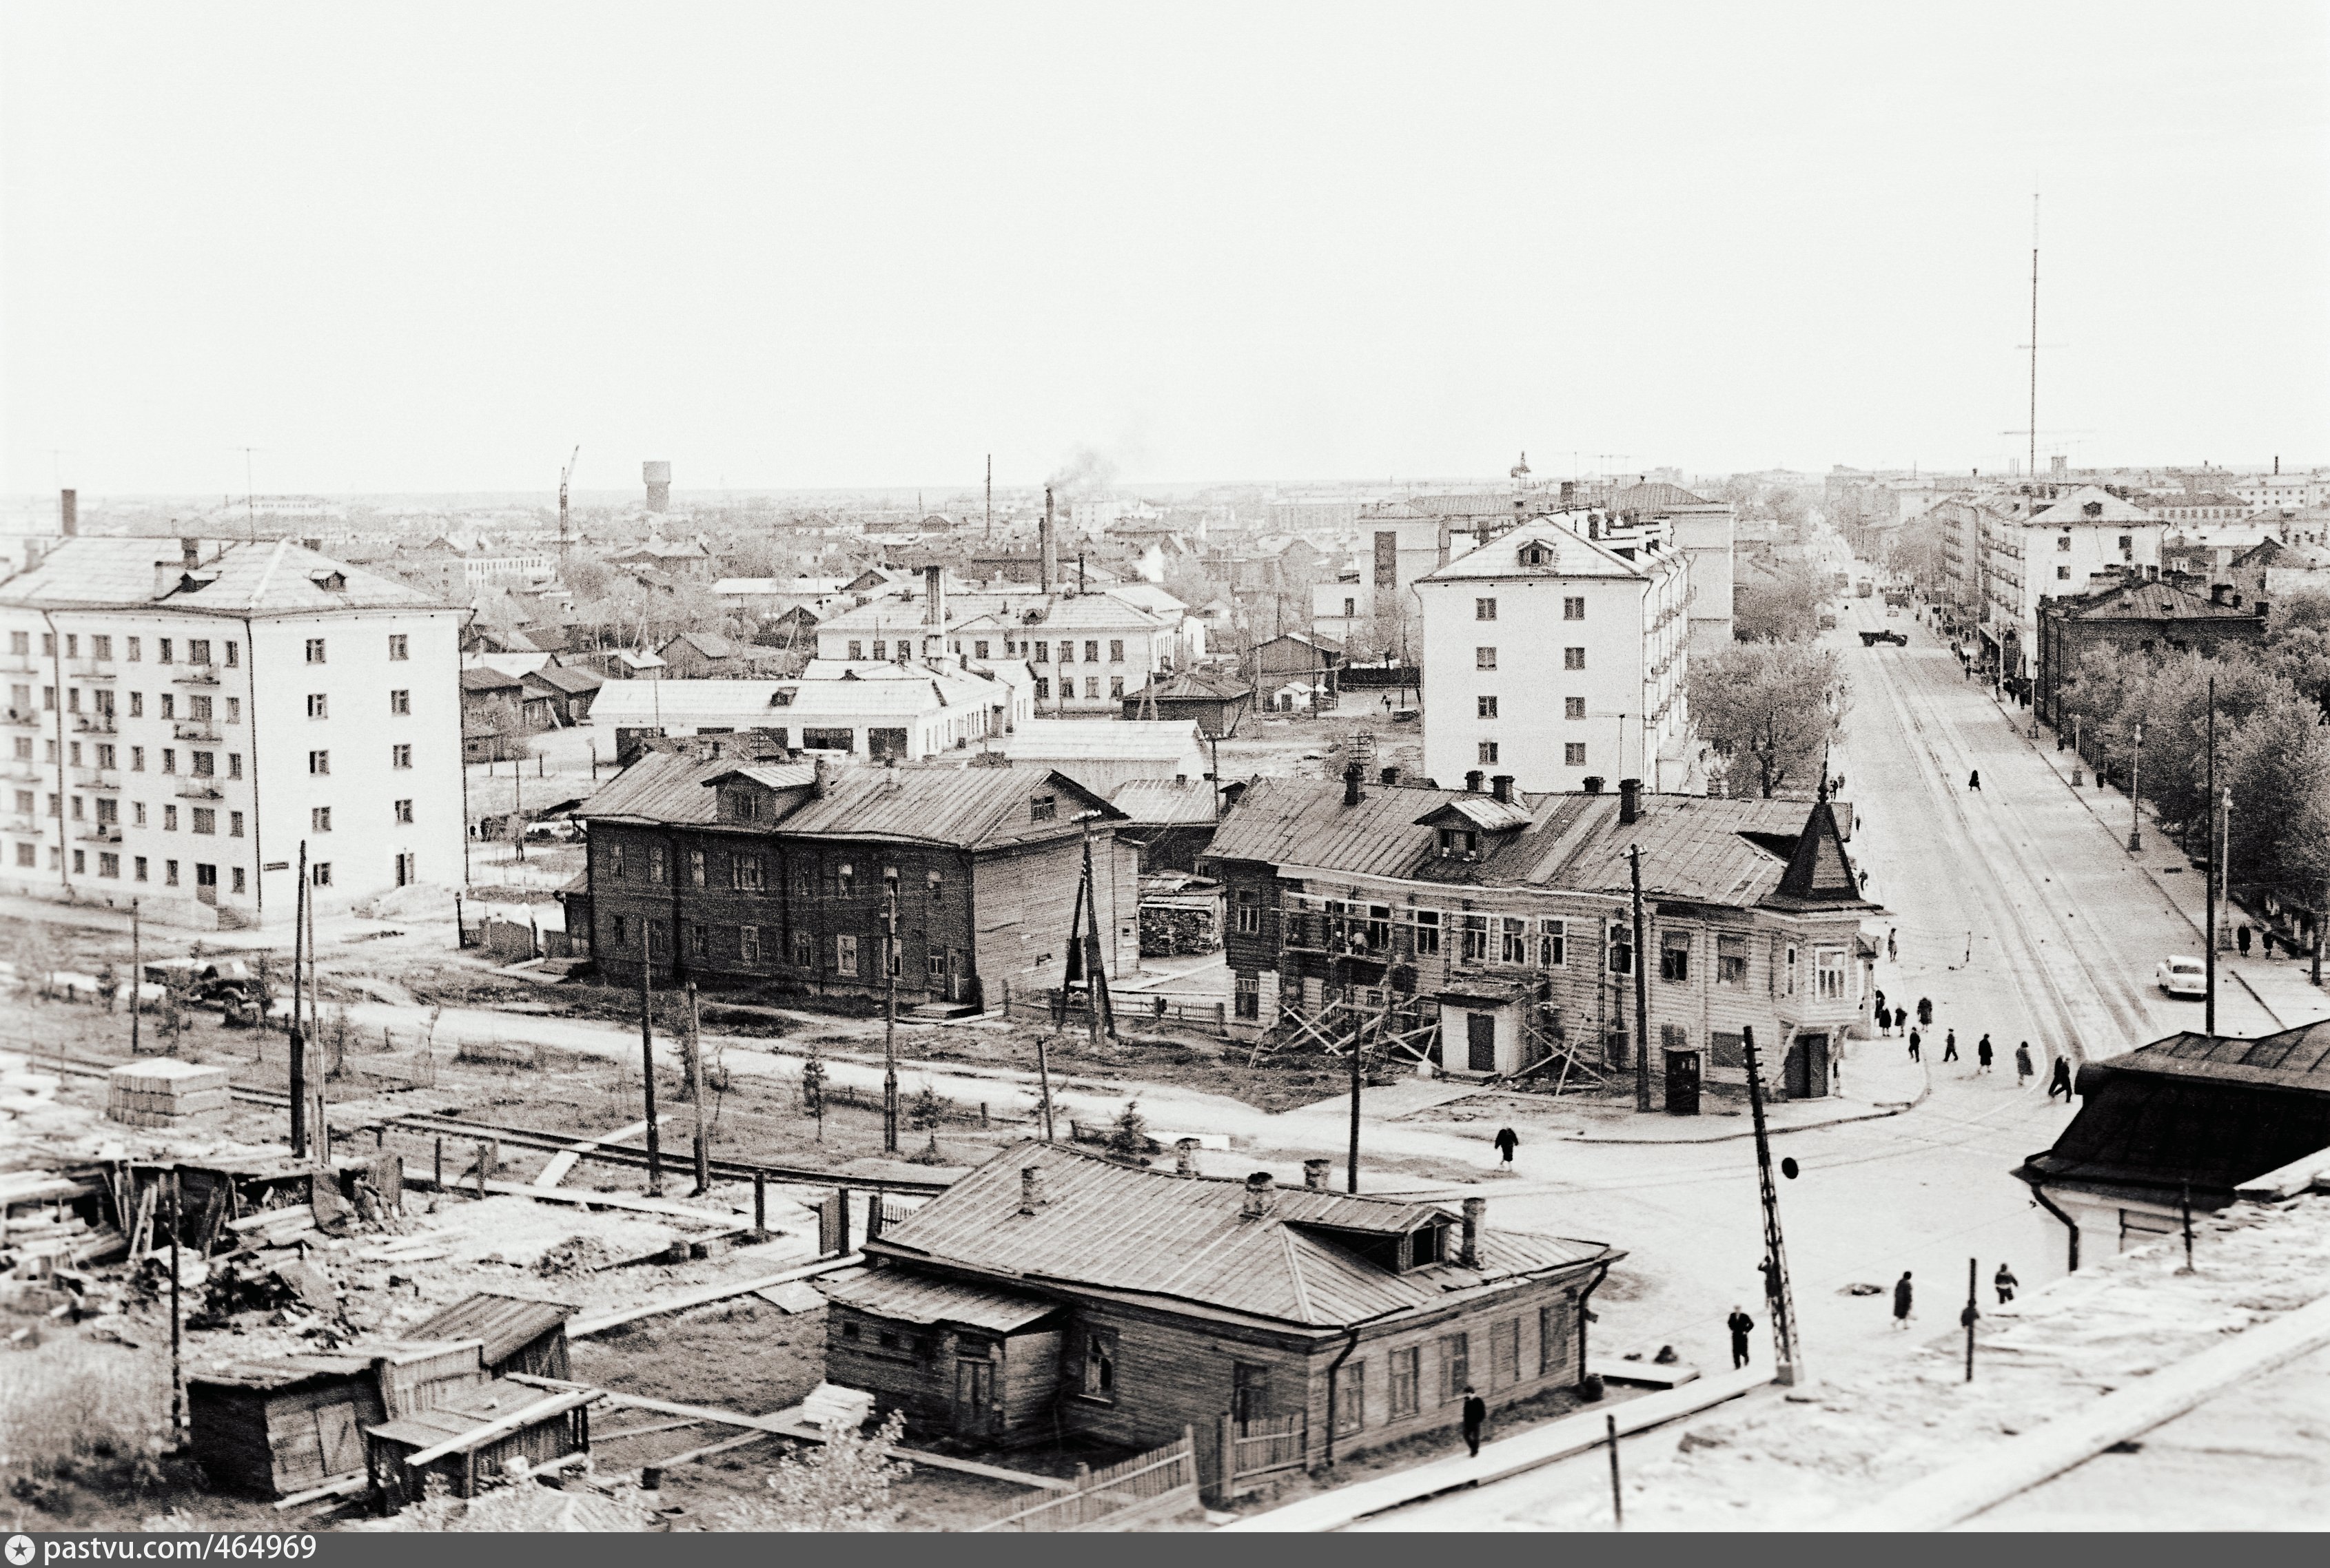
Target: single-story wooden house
point(566, 690)
point(473, 1436)
point(287, 1424)
point(1216, 701)
point(1053, 1291)
point(1172, 819)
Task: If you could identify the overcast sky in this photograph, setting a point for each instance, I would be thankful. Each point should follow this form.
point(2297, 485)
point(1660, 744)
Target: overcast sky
point(415, 247)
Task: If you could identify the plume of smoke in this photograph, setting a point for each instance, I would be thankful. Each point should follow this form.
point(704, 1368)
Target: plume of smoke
point(1088, 471)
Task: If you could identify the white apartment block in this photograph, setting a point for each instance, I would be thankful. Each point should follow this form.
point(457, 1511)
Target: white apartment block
point(1558, 653)
point(183, 715)
point(2050, 553)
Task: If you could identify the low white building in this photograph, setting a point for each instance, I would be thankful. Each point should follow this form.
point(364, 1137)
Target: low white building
point(183, 715)
point(874, 713)
point(1557, 654)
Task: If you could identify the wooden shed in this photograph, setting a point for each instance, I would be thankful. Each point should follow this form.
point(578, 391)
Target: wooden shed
point(287, 1424)
point(473, 1436)
point(516, 1334)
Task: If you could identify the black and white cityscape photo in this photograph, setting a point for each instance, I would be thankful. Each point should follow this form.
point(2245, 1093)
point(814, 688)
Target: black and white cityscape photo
point(1280, 767)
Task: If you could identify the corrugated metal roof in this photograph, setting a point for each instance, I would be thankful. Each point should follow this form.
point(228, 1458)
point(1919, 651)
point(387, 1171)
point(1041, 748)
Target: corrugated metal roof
point(504, 1323)
point(1164, 801)
point(1165, 740)
point(1706, 851)
point(913, 1297)
point(1121, 1228)
point(274, 577)
point(660, 787)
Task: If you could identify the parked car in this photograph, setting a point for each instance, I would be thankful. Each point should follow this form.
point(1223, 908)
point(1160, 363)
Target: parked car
point(2179, 975)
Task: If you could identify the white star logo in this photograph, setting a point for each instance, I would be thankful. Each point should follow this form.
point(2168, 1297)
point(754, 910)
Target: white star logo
point(20, 1550)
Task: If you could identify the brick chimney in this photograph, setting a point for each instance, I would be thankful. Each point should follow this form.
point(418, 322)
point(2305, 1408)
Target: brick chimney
point(1314, 1174)
point(935, 599)
point(1031, 1188)
point(1630, 801)
point(1594, 784)
point(1353, 777)
point(1473, 781)
point(1185, 1157)
point(190, 553)
point(69, 513)
point(1261, 1196)
point(1502, 787)
point(1476, 1219)
point(1390, 775)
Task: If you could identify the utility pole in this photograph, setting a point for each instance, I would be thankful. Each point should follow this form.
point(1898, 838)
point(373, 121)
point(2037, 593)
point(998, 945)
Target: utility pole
point(296, 1050)
point(647, 1064)
point(2135, 795)
point(1103, 1021)
point(1784, 1354)
point(2208, 940)
point(1972, 1315)
point(990, 496)
point(137, 977)
point(1643, 988)
point(1044, 1084)
point(2186, 1206)
point(177, 1368)
point(890, 1020)
point(696, 1093)
point(2034, 336)
point(1618, 1498)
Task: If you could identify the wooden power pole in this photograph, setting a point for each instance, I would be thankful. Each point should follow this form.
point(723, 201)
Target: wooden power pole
point(1642, 985)
point(1784, 1352)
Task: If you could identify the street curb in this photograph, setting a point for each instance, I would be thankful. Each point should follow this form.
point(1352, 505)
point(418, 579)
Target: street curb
point(1884, 1109)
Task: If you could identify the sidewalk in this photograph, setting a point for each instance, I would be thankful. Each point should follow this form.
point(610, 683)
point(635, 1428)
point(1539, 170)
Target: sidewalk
point(1554, 1440)
point(1879, 1080)
point(2279, 986)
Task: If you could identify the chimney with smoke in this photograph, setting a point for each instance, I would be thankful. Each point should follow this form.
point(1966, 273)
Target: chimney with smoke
point(1050, 546)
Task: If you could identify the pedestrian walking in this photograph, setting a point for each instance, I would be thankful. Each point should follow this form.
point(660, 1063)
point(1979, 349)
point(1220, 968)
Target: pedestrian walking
point(1879, 996)
point(1903, 1296)
point(1982, 1054)
point(1476, 1413)
point(1950, 1046)
point(2059, 1081)
point(1741, 1326)
point(2241, 938)
point(1974, 781)
point(1925, 1011)
point(2005, 1283)
point(2022, 1068)
point(1893, 946)
point(1913, 1045)
point(1864, 882)
point(1507, 1140)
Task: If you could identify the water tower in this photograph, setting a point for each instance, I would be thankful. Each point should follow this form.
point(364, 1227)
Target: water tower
point(659, 479)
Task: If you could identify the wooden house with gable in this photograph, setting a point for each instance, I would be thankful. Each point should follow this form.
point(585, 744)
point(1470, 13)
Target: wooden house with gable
point(1053, 1291)
point(1494, 929)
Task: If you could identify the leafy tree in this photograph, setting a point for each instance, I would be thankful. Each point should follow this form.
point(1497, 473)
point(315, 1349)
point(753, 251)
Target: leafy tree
point(841, 1484)
point(1772, 707)
point(812, 1087)
point(1781, 604)
point(1129, 1134)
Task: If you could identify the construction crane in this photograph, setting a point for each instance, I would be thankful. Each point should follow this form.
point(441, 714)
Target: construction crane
point(566, 474)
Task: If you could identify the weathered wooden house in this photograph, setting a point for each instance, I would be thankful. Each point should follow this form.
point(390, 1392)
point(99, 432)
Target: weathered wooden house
point(1217, 702)
point(1496, 928)
point(781, 872)
point(1053, 1291)
point(1172, 819)
point(472, 1436)
point(280, 1426)
point(513, 1333)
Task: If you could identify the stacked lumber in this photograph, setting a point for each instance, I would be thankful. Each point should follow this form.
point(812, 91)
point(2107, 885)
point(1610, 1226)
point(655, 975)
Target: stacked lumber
point(167, 1094)
point(275, 1227)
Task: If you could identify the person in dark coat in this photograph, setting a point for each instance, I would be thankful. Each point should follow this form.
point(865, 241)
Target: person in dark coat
point(1507, 1140)
point(2241, 938)
point(1741, 1326)
point(1903, 1299)
point(1982, 1054)
point(1950, 1045)
point(2059, 1081)
point(1925, 1011)
point(1476, 1414)
point(1974, 781)
point(2023, 1070)
point(2005, 1283)
point(1913, 1046)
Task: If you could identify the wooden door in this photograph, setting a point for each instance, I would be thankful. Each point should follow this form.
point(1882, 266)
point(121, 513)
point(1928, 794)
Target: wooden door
point(206, 883)
point(336, 1434)
point(1481, 1042)
point(1804, 1074)
point(1682, 1083)
point(974, 1397)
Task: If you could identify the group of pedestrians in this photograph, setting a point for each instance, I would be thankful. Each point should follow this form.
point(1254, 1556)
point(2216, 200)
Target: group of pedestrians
point(1891, 1020)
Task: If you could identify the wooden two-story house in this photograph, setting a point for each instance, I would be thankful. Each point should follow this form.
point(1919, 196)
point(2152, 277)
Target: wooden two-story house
point(1507, 920)
point(782, 874)
point(1053, 1291)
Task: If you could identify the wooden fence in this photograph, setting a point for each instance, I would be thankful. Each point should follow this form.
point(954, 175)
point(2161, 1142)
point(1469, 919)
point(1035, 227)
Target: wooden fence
point(1253, 1449)
point(1156, 1484)
point(1135, 1010)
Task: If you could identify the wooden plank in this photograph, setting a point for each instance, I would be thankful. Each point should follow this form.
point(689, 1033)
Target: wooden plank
point(562, 1401)
point(425, 1177)
point(599, 1322)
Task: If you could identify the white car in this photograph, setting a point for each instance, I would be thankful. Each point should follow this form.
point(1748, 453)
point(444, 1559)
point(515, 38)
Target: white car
point(2181, 977)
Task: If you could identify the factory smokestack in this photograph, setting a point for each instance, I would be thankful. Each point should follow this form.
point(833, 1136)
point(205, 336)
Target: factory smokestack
point(1050, 545)
point(69, 512)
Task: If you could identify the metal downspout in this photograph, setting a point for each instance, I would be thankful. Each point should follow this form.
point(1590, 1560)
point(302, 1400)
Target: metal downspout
point(2070, 1225)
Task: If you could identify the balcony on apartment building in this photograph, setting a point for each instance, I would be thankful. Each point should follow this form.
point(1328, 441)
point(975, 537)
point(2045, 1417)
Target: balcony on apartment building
point(97, 777)
point(22, 718)
point(99, 832)
point(194, 675)
point(97, 724)
point(91, 669)
point(199, 790)
point(195, 730)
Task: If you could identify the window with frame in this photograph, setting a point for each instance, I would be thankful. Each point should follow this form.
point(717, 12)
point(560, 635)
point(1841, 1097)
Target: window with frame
point(1553, 1330)
point(1043, 807)
point(205, 817)
point(404, 813)
point(618, 867)
point(699, 944)
point(1789, 985)
point(1573, 707)
point(696, 869)
point(804, 951)
point(1092, 687)
point(1513, 942)
point(1828, 971)
point(881, 649)
point(319, 706)
point(1455, 1366)
point(747, 872)
point(1116, 650)
point(1092, 650)
point(1406, 1382)
point(400, 756)
point(657, 870)
point(320, 819)
point(318, 762)
point(1427, 933)
point(1573, 753)
point(315, 651)
point(1351, 1398)
point(933, 887)
point(320, 872)
point(1247, 992)
point(1731, 960)
point(1488, 752)
point(1727, 1049)
point(1043, 688)
point(1675, 956)
point(1621, 946)
point(205, 764)
point(1042, 653)
point(857, 650)
point(1573, 608)
point(198, 650)
point(748, 944)
point(845, 955)
point(979, 647)
point(845, 879)
point(1552, 943)
point(1099, 1373)
point(398, 648)
point(1484, 707)
point(1485, 659)
point(1475, 934)
point(1573, 659)
point(2063, 542)
point(400, 701)
point(1116, 686)
point(1505, 1352)
point(1485, 609)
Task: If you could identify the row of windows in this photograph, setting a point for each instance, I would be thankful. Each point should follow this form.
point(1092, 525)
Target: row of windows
point(842, 952)
point(1573, 753)
point(1068, 687)
point(1573, 608)
point(199, 649)
point(201, 818)
point(747, 872)
point(1034, 652)
point(1485, 658)
point(199, 709)
point(110, 868)
point(1485, 707)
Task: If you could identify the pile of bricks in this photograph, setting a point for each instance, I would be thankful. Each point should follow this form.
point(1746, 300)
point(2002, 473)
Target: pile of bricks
point(167, 1094)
